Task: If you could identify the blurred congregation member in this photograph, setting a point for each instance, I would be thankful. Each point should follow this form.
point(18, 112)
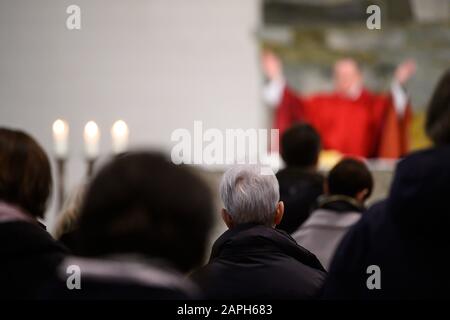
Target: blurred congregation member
point(399, 248)
point(348, 186)
point(300, 183)
point(351, 118)
point(29, 255)
point(143, 224)
point(252, 259)
point(66, 228)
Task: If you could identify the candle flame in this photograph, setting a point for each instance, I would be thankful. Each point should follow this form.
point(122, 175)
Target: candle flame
point(91, 129)
point(119, 129)
point(60, 127)
point(60, 138)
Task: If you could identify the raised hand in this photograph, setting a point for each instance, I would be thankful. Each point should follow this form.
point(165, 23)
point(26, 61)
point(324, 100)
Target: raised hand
point(405, 71)
point(272, 66)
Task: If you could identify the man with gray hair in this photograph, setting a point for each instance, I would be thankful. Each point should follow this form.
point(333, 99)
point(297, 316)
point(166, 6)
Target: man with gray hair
point(252, 259)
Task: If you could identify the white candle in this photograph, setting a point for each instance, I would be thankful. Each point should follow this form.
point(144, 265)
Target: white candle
point(60, 138)
point(91, 140)
point(119, 133)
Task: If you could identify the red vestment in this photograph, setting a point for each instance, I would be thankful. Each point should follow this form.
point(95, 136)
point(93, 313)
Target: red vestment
point(367, 126)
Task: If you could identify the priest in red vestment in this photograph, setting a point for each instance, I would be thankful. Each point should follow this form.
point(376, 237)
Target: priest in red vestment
point(351, 119)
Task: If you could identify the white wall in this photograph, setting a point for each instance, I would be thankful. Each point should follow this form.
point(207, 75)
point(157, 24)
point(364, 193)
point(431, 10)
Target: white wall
point(157, 64)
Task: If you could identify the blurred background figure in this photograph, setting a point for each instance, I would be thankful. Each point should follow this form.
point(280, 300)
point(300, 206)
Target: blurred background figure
point(376, 120)
point(67, 224)
point(144, 223)
point(252, 259)
point(28, 253)
point(347, 187)
point(406, 235)
point(300, 183)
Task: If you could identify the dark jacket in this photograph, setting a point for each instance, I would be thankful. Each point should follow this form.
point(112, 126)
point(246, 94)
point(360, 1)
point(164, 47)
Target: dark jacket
point(406, 236)
point(29, 258)
point(299, 190)
point(257, 262)
point(72, 241)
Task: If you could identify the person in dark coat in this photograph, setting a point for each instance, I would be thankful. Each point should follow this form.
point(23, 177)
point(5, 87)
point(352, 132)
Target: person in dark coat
point(143, 224)
point(400, 246)
point(253, 260)
point(29, 255)
point(300, 183)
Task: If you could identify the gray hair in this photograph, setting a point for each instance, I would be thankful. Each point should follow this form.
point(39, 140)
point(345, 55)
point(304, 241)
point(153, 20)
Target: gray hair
point(250, 194)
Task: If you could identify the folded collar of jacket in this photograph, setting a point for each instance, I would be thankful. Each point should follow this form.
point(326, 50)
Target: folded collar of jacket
point(12, 213)
point(129, 268)
point(9, 212)
point(255, 238)
point(340, 203)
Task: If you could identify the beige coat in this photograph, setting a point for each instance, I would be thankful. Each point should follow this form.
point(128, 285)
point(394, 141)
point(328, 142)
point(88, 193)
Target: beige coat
point(323, 231)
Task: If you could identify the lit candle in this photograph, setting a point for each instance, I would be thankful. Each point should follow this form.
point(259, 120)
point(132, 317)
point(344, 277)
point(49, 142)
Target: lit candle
point(60, 138)
point(119, 133)
point(91, 140)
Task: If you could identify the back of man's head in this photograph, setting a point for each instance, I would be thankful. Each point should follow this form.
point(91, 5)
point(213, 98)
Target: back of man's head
point(300, 146)
point(140, 203)
point(350, 177)
point(250, 194)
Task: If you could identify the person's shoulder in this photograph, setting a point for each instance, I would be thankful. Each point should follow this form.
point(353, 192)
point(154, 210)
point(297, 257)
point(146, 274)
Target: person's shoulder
point(121, 277)
point(434, 153)
point(370, 221)
point(32, 237)
point(374, 212)
point(300, 173)
point(424, 167)
point(92, 288)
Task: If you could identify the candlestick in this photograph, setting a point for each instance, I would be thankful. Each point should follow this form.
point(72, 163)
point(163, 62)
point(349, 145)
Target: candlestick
point(90, 167)
point(119, 133)
point(60, 138)
point(61, 165)
point(91, 140)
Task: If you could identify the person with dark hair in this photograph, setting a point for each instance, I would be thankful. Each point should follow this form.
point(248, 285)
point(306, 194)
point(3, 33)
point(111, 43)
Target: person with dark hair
point(252, 259)
point(348, 186)
point(29, 254)
point(300, 146)
point(143, 224)
point(300, 183)
point(399, 247)
point(350, 178)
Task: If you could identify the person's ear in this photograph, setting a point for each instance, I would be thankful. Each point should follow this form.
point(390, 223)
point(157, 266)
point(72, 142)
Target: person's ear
point(361, 196)
point(279, 211)
point(227, 218)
